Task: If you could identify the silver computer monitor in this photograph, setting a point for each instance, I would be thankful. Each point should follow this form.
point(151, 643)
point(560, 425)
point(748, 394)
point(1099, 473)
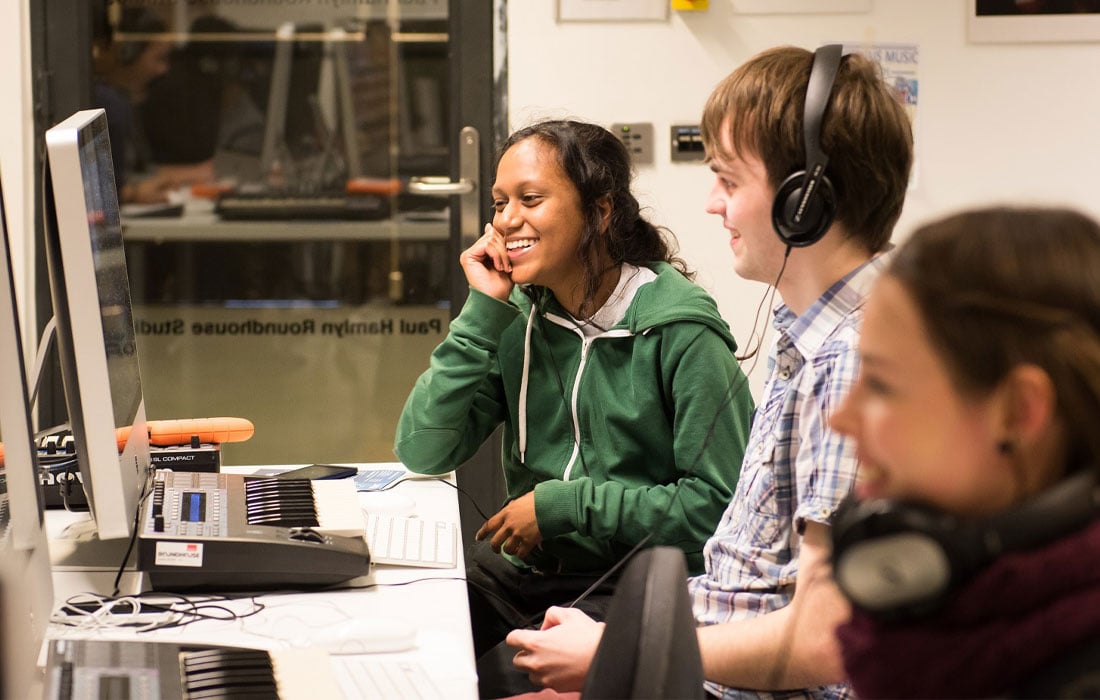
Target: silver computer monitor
point(274, 148)
point(94, 318)
point(26, 589)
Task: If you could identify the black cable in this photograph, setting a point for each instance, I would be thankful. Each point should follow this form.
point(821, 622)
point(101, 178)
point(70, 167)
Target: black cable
point(768, 295)
point(398, 584)
point(199, 613)
point(192, 610)
point(735, 387)
point(615, 567)
point(145, 491)
point(441, 479)
point(461, 490)
point(525, 618)
point(731, 392)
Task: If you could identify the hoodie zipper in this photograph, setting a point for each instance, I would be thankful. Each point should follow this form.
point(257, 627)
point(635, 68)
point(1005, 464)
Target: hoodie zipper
point(586, 344)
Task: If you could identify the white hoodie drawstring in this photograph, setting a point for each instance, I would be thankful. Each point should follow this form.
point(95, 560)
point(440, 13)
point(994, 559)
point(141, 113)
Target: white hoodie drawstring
point(523, 384)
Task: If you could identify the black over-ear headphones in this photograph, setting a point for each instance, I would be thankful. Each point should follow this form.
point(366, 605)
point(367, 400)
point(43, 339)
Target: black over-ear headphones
point(805, 203)
point(900, 560)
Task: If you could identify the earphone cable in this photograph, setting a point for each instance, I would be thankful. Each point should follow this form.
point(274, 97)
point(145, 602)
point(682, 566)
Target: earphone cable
point(732, 391)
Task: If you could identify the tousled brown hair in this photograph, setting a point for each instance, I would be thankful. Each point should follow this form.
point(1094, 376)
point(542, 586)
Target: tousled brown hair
point(866, 133)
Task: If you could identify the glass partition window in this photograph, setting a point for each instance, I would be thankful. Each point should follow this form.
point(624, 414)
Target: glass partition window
point(281, 269)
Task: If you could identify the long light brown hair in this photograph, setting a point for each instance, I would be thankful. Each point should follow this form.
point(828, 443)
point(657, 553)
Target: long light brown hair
point(1001, 287)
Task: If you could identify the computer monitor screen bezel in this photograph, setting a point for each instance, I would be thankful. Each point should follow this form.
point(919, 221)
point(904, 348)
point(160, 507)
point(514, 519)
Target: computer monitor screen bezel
point(91, 298)
point(26, 585)
point(16, 431)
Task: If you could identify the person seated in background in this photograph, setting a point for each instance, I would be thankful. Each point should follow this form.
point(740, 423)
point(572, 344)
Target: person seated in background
point(624, 411)
point(122, 71)
point(975, 412)
point(766, 622)
point(183, 111)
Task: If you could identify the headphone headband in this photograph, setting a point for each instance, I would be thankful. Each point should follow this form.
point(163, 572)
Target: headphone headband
point(805, 204)
point(818, 91)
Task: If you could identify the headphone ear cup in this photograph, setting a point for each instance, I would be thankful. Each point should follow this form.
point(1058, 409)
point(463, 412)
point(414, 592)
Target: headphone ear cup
point(817, 217)
point(897, 560)
point(892, 560)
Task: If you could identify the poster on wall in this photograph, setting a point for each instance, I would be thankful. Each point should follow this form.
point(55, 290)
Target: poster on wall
point(900, 65)
point(1012, 21)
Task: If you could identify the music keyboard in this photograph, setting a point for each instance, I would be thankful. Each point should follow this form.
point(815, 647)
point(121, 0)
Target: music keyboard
point(266, 206)
point(77, 669)
point(217, 531)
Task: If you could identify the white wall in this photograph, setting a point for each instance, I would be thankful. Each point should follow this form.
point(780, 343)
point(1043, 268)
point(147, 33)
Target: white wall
point(995, 122)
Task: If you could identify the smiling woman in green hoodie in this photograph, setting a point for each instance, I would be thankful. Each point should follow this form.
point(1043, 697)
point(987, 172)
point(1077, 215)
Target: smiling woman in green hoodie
point(625, 412)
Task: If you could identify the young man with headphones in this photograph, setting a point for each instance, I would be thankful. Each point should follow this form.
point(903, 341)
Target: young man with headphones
point(815, 148)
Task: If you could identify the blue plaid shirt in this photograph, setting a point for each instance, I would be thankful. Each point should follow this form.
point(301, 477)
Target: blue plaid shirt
point(795, 469)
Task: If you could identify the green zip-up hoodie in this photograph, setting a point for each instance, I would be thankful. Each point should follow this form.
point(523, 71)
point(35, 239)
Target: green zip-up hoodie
point(623, 434)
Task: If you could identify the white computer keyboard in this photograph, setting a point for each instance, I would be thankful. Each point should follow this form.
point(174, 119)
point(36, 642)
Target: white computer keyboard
point(372, 678)
point(407, 541)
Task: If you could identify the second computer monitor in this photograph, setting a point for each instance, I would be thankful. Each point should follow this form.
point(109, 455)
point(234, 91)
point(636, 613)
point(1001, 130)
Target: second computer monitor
point(26, 589)
point(95, 327)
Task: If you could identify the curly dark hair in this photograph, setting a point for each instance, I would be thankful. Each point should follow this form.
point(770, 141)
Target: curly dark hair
point(598, 165)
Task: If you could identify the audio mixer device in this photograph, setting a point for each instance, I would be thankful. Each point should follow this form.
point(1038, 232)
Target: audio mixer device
point(203, 531)
point(191, 444)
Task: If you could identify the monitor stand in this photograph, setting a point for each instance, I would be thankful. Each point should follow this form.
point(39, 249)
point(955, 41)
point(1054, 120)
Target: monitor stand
point(88, 563)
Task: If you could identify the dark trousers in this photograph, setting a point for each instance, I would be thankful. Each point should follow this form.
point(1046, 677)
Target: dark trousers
point(504, 597)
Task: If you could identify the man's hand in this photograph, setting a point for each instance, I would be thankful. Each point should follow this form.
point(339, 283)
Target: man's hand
point(558, 655)
point(514, 527)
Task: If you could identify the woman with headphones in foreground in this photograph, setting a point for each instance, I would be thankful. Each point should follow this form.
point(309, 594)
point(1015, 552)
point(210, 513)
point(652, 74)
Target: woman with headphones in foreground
point(970, 553)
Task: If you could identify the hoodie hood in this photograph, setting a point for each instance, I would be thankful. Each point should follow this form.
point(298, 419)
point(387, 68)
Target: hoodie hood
point(668, 298)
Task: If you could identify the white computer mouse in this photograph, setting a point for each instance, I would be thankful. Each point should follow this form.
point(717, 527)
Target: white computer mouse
point(387, 503)
point(368, 635)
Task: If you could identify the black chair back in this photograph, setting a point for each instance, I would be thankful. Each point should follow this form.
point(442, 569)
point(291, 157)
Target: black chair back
point(649, 648)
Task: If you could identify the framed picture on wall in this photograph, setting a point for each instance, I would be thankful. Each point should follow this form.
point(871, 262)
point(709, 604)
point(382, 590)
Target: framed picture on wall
point(1013, 21)
point(611, 10)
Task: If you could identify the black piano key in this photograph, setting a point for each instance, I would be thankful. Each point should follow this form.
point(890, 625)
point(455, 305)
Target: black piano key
point(220, 661)
point(227, 673)
point(280, 502)
point(266, 693)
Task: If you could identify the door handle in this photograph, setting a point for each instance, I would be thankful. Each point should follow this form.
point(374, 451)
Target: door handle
point(441, 186)
point(465, 188)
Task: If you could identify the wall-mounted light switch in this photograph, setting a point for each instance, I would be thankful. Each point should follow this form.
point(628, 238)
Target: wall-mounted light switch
point(638, 139)
point(687, 144)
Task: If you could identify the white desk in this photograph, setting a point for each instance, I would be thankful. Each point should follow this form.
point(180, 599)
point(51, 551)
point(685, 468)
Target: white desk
point(433, 599)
